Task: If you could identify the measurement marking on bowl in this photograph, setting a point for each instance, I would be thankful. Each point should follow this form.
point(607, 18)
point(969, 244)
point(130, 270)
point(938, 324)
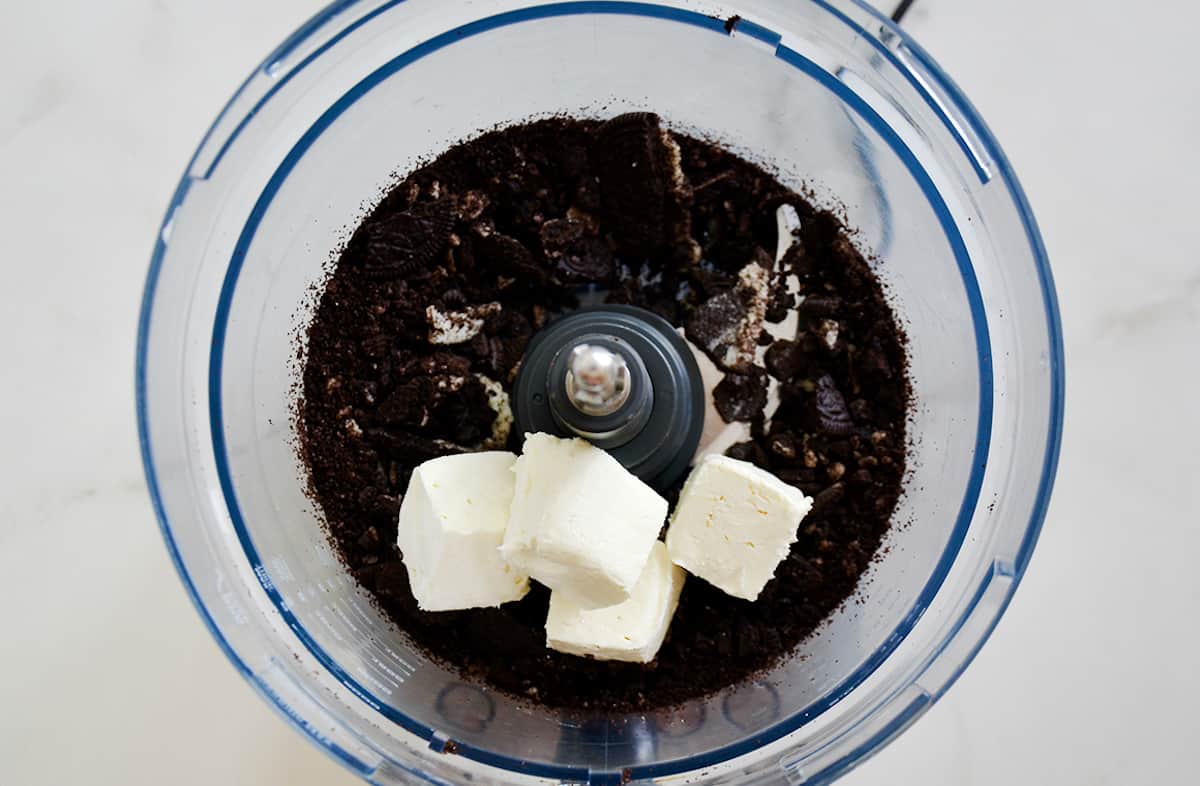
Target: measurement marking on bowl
point(234, 607)
point(264, 578)
point(329, 626)
point(375, 648)
point(400, 660)
point(280, 569)
point(398, 679)
point(374, 680)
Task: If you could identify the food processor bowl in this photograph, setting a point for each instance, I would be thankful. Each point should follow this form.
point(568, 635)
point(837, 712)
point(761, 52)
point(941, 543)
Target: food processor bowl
point(826, 93)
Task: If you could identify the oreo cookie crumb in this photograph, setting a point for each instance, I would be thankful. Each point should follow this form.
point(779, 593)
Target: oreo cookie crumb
point(833, 416)
point(741, 396)
point(406, 242)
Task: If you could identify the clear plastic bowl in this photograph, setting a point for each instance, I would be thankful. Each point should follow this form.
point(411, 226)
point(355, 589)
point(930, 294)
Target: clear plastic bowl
point(828, 93)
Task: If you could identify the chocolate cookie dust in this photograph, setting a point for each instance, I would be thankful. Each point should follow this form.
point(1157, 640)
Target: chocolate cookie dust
point(503, 233)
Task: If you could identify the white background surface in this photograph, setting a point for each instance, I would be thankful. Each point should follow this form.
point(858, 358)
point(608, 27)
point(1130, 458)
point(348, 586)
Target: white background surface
point(107, 675)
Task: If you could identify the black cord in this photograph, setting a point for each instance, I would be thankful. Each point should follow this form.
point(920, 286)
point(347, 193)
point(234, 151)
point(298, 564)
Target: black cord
point(901, 10)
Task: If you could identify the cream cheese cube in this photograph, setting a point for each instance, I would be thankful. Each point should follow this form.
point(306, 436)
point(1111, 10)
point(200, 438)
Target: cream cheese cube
point(580, 523)
point(734, 523)
point(629, 631)
point(452, 521)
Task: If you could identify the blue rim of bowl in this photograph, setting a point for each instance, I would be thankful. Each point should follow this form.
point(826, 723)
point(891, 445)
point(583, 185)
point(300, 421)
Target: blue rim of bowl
point(640, 9)
point(850, 99)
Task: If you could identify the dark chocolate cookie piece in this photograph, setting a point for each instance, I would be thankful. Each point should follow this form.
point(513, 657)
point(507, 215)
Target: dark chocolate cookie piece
point(463, 416)
point(821, 306)
point(412, 449)
point(741, 396)
point(578, 253)
point(749, 451)
point(714, 327)
point(833, 416)
point(508, 256)
point(405, 243)
point(643, 191)
point(784, 359)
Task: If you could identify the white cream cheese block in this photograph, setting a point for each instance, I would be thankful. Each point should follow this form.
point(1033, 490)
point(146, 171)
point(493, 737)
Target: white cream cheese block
point(581, 523)
point(452, 521)
point(629, 631)
point(734, 524)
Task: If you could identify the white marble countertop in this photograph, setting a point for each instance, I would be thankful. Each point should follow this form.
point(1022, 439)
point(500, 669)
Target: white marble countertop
point(109, 677)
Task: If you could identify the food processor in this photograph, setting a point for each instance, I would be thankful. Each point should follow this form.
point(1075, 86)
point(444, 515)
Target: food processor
point(828, 95)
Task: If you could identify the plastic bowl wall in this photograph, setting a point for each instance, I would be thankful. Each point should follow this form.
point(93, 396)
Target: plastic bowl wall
point(827, 94)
